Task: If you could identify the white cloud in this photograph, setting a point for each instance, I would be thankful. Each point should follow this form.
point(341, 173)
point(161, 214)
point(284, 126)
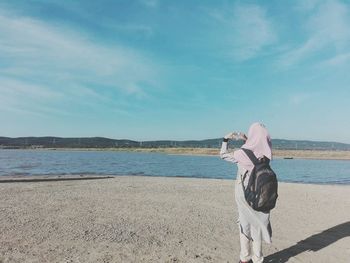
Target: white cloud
point(327, 26)
point(150, 3)
point(307, 5)
point(11, 87)
point(299, 98)
point(143, 30)
point(250, 30)
point(337, 60)
point(41, 60)
point(23, 98)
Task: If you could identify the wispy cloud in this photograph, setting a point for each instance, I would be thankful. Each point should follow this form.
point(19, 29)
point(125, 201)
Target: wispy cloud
point(250, 30)
point(327, 27)
point(307, 5)
point(18, 88)
point(41, 60)
point(337, 60)
point(23, 98)
point(138, 29)
point(150, 3)
point(299, 98)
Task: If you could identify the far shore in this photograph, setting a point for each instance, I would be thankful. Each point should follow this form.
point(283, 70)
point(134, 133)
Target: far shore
point(278, 153)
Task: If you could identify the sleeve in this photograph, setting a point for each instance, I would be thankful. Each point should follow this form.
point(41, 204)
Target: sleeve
point(225, 154)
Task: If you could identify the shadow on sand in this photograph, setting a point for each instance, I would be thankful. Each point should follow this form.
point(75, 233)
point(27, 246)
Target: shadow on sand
point(314, 243)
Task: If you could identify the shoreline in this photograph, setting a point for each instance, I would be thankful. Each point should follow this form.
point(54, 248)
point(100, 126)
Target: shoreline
point(278, 154)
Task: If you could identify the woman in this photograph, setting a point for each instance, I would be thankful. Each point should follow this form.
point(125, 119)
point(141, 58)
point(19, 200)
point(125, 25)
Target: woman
point(254, 226)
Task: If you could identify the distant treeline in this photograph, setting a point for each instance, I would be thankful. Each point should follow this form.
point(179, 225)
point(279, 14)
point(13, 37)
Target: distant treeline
point(100, 142)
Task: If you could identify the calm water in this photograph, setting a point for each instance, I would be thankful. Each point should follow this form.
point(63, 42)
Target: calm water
point(27, 162)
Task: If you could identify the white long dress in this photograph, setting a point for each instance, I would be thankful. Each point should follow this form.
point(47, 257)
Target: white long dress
point(254, 225)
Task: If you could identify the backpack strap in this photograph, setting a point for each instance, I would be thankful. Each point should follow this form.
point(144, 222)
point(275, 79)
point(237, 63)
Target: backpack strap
point(242, 180)
point(251, 156)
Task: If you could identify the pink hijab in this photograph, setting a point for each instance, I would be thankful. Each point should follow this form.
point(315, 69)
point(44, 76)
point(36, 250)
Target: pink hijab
point(258, 141)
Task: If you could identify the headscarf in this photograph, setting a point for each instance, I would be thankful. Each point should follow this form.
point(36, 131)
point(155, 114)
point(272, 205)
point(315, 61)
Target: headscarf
point(259, 142)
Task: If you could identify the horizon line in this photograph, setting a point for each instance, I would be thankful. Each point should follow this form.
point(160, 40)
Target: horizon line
point(46, 136)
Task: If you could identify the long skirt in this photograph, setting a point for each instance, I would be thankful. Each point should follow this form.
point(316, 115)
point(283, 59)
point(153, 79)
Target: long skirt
point(250, 219)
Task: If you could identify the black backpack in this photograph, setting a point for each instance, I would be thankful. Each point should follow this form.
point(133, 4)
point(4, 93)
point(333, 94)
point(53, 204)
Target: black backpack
point(261, 191)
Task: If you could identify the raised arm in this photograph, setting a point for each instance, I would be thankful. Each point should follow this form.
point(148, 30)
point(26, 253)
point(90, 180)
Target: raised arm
point(224, 153)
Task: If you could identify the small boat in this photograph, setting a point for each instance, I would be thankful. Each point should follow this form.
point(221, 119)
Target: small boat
point(288, 158)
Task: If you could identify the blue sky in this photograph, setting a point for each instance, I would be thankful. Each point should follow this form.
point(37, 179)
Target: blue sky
point(161, 69)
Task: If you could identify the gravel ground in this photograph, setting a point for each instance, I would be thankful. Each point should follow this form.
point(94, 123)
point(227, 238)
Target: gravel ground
point(157, 219)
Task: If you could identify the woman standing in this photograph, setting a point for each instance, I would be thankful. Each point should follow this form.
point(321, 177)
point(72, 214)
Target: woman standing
point(254, 225)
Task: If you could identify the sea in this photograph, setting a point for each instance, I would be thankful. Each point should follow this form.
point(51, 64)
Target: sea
point(65, 162)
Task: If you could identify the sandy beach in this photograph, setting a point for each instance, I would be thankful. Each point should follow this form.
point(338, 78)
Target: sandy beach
point(157, 219)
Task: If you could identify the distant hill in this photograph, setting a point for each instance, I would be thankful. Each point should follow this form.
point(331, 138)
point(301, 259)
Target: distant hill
point(100, 142)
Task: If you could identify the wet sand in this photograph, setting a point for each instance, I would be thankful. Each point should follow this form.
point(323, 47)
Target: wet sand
point(156, 219)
